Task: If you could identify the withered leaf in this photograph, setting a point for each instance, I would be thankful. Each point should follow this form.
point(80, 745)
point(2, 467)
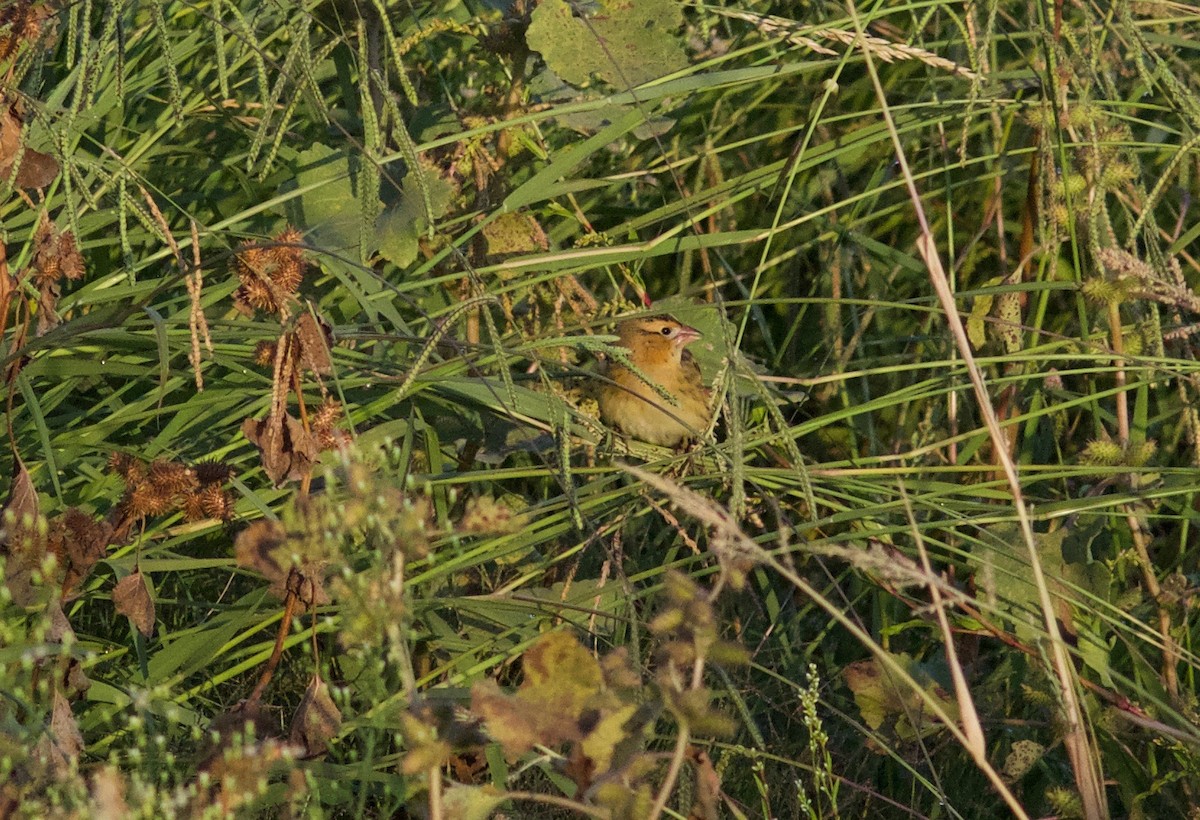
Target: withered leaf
point(37, 170)
point(69, 670)
point(7, 283)
point(233, 730)
point(20, 541)
point(259, 547)
point(317, 720)
point(471, 802)
point(424, 750)
point(708, 787)
point(131, 597)
point(561, 679)
point(514, 233)
point(26, 24)
point(47, 312)
point(60, 746)
point(891, 706)
point(108, 795)
point(10, 138)
point(60, 625)
point(288, 451)
point(263, 547)
point(22, 504)
point(315, 338)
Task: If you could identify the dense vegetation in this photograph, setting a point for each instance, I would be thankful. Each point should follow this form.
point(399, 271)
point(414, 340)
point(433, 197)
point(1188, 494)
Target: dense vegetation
point(311, 512)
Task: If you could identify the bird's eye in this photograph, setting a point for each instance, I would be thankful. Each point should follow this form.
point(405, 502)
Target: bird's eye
point(666, 331)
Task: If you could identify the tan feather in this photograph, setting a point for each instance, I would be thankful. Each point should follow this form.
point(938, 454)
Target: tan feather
point(657, 349)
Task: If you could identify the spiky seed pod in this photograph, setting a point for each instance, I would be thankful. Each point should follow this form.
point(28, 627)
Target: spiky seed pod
point(193, 507)
point(213, 472)
point(251, 262)
point(255, 267)
point(324, 424)
point(128, 467)
point(256, 295)
point(289, 271)
point(215, 502)
point(288, 257)
point(145, 501)
point(264, 353)
point(172, 478)
point(327, 415)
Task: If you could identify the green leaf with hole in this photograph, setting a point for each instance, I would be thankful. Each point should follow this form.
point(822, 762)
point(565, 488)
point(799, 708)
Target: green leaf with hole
point(327, 207)
point(400, 227)
point(624, 43)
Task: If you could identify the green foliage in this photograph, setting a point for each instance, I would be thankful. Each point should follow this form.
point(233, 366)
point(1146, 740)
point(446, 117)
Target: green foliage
point(625, 43)
point(310, 510)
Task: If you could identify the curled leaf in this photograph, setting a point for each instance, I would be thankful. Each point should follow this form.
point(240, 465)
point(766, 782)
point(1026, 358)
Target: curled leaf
point(317, 720)
point(131, 597)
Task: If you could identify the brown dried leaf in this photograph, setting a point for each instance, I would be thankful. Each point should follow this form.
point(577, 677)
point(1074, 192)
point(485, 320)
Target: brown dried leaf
point(424, 750)
point(24, 23)
point(561, 677)
point(471, 802)
point(10, 139)
point(511, 722)
point(59, 748)
point(60, 626)
point(307, 583)
point(20, 538)
point(7, 283)
point(47, 313)
point(708, 787)
point(131, 597)
point(317, 720)
point(288, 451)
point(315, 338)
point(108, 795)
point(259, 546)
point(69, 672)
point(232, 731)
point(22, 500)
point(37, 170)
point(264, 548)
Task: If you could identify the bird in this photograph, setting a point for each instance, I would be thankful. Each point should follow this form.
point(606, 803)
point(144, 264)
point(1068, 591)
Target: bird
point(657, 347)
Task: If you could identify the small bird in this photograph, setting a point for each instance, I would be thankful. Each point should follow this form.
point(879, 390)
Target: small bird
point(656, 348)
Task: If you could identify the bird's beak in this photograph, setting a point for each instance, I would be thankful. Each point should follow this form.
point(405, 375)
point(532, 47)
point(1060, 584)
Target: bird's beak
point(687, 335)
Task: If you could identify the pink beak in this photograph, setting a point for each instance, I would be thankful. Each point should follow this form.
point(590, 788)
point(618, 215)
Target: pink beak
point(687, 335)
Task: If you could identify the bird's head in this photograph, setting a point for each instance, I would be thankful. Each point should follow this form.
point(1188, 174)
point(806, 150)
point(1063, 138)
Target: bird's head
point(655, 339)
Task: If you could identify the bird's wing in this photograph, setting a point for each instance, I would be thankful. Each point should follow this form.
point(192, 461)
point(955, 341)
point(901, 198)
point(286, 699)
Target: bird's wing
point(691, 371)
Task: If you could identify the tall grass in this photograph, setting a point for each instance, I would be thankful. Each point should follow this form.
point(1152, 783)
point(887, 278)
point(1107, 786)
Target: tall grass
point(932, 560)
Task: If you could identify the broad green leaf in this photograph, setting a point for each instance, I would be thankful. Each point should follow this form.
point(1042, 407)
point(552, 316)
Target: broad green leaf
point(400, 226)
point(625, 43)
point(327, 208)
